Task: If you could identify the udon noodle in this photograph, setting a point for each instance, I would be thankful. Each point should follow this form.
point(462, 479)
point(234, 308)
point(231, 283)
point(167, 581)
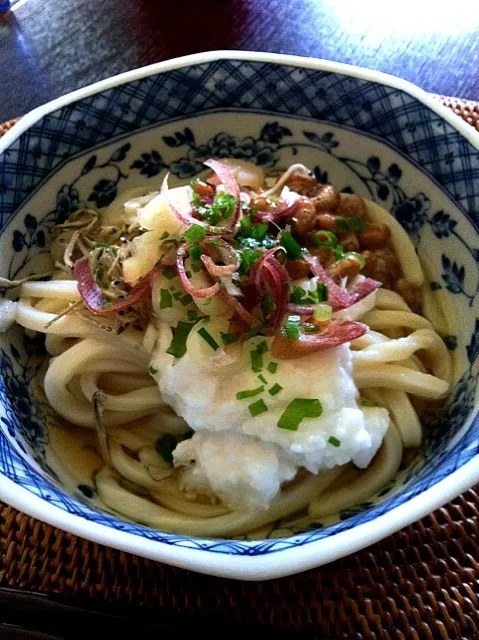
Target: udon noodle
point(102, 341)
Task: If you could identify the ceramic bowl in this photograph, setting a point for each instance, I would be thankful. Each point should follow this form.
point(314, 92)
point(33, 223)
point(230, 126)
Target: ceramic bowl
point(366, 132)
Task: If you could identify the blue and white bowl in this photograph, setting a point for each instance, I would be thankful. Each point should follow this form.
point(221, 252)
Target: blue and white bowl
point(376, 135)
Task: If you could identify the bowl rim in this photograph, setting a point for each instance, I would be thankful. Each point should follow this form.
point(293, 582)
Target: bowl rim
point(293, 560)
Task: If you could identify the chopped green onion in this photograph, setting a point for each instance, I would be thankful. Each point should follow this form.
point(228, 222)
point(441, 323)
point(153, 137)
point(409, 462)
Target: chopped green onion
point(262, 347)
point(257, 408)
point(259, 231)
point(297, 410)
point(256, 361)
point(99, 278)
point(152, 370)
point(272, 367)
point(308, 327)
point(195, 253)
point(297, 295)
point(223, 205)
point(356, 256)
point(177, 295)
point(334, 441)
point(249, 393)
point(195, 233)
point(248, 257)
point(292, 327)
point(322, 312)
point(338, 252)
point(181, 332)
point(207, 337)
point(164, 235)
point(103, 245)
point(275, 389)
point(262, 378)
point(165, 446)
point(322, 292)
point(169, 272)
point(192, 314)
point(246, 226)
point(229, 338)
point(251, 333)
point(267, 305)
point(186, 299)
point(166, 301)
point(323, 238)
point(350, 224)
point(289, 244)
point(368, 403)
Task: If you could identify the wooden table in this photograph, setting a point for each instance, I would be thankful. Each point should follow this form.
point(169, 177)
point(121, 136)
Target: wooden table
point(51, 47)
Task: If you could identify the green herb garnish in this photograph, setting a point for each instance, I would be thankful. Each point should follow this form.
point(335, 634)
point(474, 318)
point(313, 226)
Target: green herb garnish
point(291, 327)
point(99, 278)
point(195, 233)
point(186, 299)
point(164, 235)
point(275, 389)
point(262, 347)
point(221, 209)
point(255, 231)
point(248, 258)
point(322, 292)
point(356, 256)
point(334, 441)
point(289, 244)
point(166, 300)
point(195, 257)
point(257, 408)
point(350, 224)
point(323, 238)
point(267, 305)
point(152, 370)
point(368, 403)
point(165, 446)
point(177, 295)
point(169, 272)
point(256, 361)
point(251, 333)
point(297, 410)
point(181, 332)
point(272, 367)
point(192, 314)
point(297, 295)
point(229, 338)
point(207, 337)
point(249, 393)
point(262, 379)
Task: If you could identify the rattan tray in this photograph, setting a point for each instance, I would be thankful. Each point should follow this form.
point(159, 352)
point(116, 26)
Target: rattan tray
point(422, 582)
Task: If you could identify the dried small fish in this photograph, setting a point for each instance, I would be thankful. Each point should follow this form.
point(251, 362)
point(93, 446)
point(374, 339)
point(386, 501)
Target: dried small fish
point(5, 283)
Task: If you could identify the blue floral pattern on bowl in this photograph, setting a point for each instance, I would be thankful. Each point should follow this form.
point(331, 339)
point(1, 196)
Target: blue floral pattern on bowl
point(89, 151)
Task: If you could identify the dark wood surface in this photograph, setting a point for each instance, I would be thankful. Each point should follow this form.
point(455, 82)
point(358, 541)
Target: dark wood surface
point(51, 47)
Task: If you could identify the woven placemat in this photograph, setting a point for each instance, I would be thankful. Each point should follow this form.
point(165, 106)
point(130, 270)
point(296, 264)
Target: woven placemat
point(422, 582)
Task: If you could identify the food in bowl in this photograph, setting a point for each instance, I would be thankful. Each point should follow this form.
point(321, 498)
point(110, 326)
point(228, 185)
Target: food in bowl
point(249, 349)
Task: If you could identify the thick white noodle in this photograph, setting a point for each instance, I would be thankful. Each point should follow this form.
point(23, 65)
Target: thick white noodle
point(294, 498)
point(403, 348)
point(381, 470)
point(401, 378)
point(385, 320)
point(65, 289)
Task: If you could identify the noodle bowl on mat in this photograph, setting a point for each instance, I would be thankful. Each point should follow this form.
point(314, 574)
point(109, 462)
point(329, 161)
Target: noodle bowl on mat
point(246, 350)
